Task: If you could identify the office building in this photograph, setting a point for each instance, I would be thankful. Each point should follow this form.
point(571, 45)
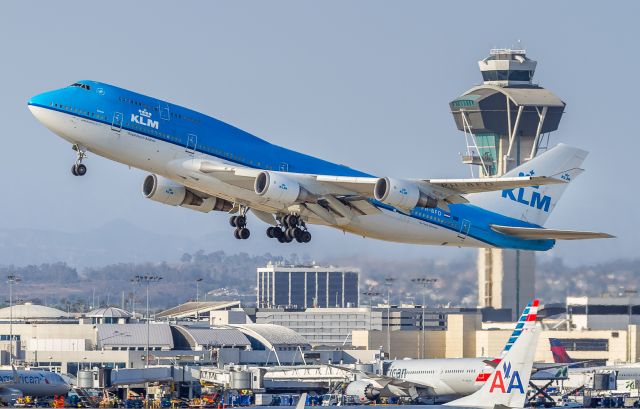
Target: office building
point(307, 286)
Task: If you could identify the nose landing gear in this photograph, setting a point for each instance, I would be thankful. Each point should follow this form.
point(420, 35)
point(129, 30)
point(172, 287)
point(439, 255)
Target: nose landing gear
point(79, 169)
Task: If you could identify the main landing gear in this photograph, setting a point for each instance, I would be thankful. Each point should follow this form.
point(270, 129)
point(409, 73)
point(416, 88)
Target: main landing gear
point(290, 227)
point(79, 169)
point(240, 223)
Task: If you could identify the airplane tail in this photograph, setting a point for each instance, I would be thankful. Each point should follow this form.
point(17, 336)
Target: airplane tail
point(535, 204)
point(507, 385)
point(527, 320)
point(559, 352)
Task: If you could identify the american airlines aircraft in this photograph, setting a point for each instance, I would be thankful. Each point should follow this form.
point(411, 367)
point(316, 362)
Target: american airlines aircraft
point(440, 379)
point(204, 164)
point(17, 383)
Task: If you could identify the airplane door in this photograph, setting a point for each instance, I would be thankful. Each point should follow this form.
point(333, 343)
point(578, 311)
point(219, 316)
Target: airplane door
point(464, 229)
point(116, 124)
point(190, 146)
point(164, 111)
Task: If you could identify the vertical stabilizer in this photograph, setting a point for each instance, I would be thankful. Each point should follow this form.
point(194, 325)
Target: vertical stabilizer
point(507, 385)
point(535, 204)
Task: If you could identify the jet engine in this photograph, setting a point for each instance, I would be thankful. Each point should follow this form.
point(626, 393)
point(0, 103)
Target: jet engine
point(9, 395)
point(363, 390)
point(168, 192)
point(402, 194)
point(276, 187)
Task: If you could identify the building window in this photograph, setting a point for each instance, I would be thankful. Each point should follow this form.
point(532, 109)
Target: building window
point(585, 344)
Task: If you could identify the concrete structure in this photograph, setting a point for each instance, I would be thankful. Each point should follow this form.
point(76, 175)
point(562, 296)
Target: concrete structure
point(334, 326)
point(197, 310)
point(505, 120)
point(69, 345)
point(602, 313)
point(307, 286)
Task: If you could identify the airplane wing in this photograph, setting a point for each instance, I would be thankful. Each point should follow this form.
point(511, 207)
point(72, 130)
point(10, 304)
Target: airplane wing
point(533, 233)
point(356, 190)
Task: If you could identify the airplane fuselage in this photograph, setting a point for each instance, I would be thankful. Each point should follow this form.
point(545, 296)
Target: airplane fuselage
point(447, 378)
point(33, 383)
point(159, 137)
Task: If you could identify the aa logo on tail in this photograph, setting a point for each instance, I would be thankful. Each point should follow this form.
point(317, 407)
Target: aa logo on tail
point(512, 380)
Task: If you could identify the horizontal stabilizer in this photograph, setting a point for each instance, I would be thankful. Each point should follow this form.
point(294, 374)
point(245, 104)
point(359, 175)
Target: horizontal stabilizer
point(533, 233)
point(467, 186)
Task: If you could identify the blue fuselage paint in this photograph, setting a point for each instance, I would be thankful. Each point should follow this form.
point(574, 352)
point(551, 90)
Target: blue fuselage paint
point(173, 124)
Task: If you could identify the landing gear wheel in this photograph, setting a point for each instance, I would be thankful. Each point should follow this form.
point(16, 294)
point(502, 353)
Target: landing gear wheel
point(232, 221)
point(306, 237)
point(244, 233)
point(297, 233)
point(270, 232)
point(277, 232)
point(282, 239)
point(293, 220)
point(236, 234)
point(241, 221)
point(80, 169)
point(289, 234)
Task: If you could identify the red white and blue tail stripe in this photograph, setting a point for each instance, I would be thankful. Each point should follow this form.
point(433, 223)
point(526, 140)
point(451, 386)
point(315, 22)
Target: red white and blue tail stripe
point(527, 320)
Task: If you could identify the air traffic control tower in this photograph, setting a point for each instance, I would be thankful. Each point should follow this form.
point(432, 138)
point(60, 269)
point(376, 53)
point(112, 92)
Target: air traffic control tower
point(506, 121)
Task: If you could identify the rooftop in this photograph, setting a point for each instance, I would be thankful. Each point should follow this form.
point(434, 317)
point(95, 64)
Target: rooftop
point(29, 311)
point(109, 312)
point(193, 308)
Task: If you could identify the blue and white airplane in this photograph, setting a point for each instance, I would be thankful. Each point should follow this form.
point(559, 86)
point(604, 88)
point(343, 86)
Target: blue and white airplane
point(204, 164)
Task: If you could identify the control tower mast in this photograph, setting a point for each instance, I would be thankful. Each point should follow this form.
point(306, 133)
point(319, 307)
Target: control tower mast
point(506, 121)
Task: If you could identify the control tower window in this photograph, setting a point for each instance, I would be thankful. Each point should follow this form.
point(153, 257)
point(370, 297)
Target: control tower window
point(506, 75)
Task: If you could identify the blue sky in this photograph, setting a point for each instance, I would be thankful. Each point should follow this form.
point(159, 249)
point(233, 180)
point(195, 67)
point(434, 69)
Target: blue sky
point(365, 83)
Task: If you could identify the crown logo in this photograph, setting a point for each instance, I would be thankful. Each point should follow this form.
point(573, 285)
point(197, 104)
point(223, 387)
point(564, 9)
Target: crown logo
point(144, 113)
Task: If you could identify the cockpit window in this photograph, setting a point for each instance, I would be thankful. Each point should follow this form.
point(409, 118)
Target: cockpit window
point(83, 86)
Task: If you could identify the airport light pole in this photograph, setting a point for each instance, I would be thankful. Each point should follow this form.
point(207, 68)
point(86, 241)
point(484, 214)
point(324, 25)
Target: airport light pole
point(198, 280)
point(424, 282)
point(147, 280)
point(11, 280)
point(389, 282)
point(370, 294)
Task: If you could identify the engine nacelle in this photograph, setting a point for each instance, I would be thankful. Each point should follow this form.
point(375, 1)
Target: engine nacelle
point(363, 390)
point(276, 187)
point(402, 194)
point(169, 192)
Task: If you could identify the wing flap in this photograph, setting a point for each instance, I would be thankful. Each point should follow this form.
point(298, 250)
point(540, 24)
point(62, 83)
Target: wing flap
point(533, 233)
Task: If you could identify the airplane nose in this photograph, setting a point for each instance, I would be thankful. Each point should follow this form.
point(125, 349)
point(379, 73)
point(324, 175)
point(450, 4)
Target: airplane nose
point(40, 99)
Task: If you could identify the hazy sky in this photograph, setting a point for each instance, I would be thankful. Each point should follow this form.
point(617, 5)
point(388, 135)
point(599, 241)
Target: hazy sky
point(365, 83)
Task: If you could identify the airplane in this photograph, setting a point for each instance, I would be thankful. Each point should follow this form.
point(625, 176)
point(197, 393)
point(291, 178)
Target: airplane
point(624, 372)
point(440, 379)
point(203, 164)
point(15, 384)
